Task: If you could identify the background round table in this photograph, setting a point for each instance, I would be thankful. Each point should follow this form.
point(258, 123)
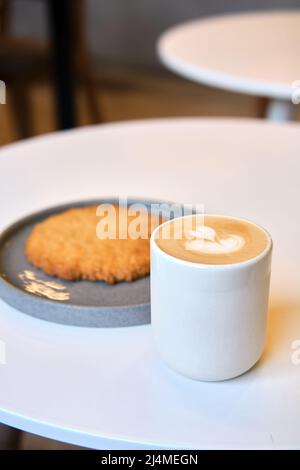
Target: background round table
point(106, 388)
point(255, 53)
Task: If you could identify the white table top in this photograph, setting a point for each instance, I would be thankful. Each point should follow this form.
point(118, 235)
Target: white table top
point(255, 53)
point(107, 388)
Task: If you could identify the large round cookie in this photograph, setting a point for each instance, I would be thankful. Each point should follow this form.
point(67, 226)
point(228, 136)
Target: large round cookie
point(67, 245)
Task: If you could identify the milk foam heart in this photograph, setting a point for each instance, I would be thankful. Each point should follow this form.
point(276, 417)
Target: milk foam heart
point(206, 240)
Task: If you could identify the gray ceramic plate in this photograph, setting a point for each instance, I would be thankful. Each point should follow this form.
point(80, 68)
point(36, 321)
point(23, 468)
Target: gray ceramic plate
point(80, 303)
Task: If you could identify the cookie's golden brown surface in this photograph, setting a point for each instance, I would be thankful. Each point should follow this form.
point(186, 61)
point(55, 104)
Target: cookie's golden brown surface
point(66, 245)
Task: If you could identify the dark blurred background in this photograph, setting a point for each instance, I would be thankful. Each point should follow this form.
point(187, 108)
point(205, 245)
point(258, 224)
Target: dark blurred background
point(110, 49)
point(125, 31)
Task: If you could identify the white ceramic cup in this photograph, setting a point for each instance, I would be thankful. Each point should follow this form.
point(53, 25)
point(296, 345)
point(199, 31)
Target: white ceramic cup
point(209, 321)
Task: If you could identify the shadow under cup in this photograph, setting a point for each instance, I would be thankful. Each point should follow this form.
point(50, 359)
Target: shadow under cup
point(209, 320)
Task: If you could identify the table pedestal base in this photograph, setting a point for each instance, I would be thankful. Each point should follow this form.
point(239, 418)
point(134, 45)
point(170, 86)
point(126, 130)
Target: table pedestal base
point(280, 110)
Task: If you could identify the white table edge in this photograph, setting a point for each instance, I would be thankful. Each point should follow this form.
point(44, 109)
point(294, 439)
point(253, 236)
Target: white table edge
point(72, 436)
point(214, 77)
point(101, 442)
point(179, 120)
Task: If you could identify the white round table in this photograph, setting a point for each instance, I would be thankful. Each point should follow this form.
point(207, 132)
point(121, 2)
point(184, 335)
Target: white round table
point(106, 388)
point(255, 53)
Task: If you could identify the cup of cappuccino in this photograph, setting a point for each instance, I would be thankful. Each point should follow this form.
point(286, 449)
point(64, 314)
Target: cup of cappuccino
point(210, 277)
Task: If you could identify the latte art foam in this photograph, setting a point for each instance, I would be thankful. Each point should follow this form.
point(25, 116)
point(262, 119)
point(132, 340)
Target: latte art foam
point(206, 240)
point(212, 239)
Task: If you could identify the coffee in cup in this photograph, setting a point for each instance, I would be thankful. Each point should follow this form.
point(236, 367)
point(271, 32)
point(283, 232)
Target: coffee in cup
point(211, 239)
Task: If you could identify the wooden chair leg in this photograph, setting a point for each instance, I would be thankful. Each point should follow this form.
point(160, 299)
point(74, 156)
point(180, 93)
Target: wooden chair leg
point(90, 88)
point(5, 9)
point(81, 59)
point(262, 107)
point(21, 108)
point(9, 438)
